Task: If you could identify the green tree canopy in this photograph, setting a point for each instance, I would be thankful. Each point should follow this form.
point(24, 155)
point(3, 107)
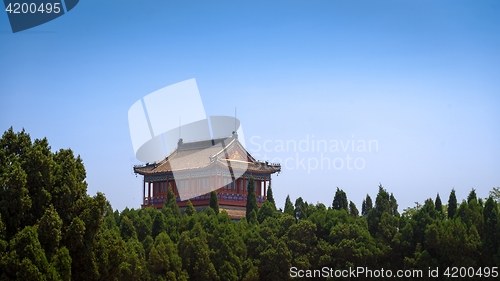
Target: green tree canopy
point(270, 196)
point(214, 202)
point(251, 199)
point(289, 209)
point(438, 203)
point(340, 200)
point(190, 210)
point(452, 204)
point(366, 206)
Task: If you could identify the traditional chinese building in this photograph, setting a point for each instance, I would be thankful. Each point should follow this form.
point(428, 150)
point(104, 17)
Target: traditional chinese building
point(193, 169)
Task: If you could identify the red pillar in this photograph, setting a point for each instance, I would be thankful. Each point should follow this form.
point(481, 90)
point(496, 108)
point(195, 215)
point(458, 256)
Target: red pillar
point(149, 192)
point(265, 190)
point(265, 187)
point(144, 192)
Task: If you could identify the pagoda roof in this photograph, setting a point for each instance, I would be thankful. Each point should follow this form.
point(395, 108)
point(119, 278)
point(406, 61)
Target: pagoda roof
point(199, 155)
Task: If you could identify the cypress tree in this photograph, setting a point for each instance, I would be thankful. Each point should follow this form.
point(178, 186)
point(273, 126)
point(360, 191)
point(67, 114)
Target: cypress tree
point(438, 204)
point(270, 196)
point(353, 211)
point(190, 210)
point(252, 217)
point(49, 230)
point(158, 225)
point(267, 210)
point(289, 207)
point(251, 200)
point(452, 204)
point(366, 206)
point(214, 202)
point(127, 229)
point(382, 201)
point(472, 196)
point(491, 240)
point(393, 204)
point(340, 200)
point(171, 203)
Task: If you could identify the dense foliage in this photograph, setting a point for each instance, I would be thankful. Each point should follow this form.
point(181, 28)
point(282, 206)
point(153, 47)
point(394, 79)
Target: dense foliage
point(50, 229)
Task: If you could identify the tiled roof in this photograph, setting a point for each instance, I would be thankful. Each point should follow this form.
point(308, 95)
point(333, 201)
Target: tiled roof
point(203, 154)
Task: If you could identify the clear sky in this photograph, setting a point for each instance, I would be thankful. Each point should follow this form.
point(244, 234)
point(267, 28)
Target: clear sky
point(419, 80)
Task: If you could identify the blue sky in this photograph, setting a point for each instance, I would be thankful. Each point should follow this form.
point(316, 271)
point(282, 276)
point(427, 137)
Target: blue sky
point(418, 77)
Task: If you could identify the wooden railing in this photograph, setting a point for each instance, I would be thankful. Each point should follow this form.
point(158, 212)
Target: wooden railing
point(226, 197)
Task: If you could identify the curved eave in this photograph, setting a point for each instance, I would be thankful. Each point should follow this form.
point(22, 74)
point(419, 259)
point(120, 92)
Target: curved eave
point(152, 171)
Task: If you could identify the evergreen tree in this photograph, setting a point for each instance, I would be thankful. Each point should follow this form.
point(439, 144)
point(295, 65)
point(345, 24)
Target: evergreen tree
point(26, 260)
point(252, 218)
point(267, 210)
point(190, 210)
point(366, 206)
point(275, 263)
point(393, 206)
point(50, 231)
point(171, 203)
point(300, 211)
point(353, 211)
point(270, 196)
point(251, 200)
point(340, 200)
point(61, 262)
point(425, 216)
point(134, 266)
point(214, 201)
point(143, 223)
point(15, 202)
point(382, 202)
point(127, 229)
point(164, 260)
point(158, 225)
point(491, 240)
point(472, 196)
point(195, 255)
point(452, 204)
point(289, 207)
point(383, 218)
point(438, 204)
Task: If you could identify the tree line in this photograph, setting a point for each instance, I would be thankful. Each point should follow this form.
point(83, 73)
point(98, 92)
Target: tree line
point(51, 229)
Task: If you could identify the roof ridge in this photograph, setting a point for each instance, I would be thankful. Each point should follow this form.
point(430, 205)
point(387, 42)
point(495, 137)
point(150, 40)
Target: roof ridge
point(224, 147)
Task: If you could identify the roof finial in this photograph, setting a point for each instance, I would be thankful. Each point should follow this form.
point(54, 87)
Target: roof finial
point(235, 134)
